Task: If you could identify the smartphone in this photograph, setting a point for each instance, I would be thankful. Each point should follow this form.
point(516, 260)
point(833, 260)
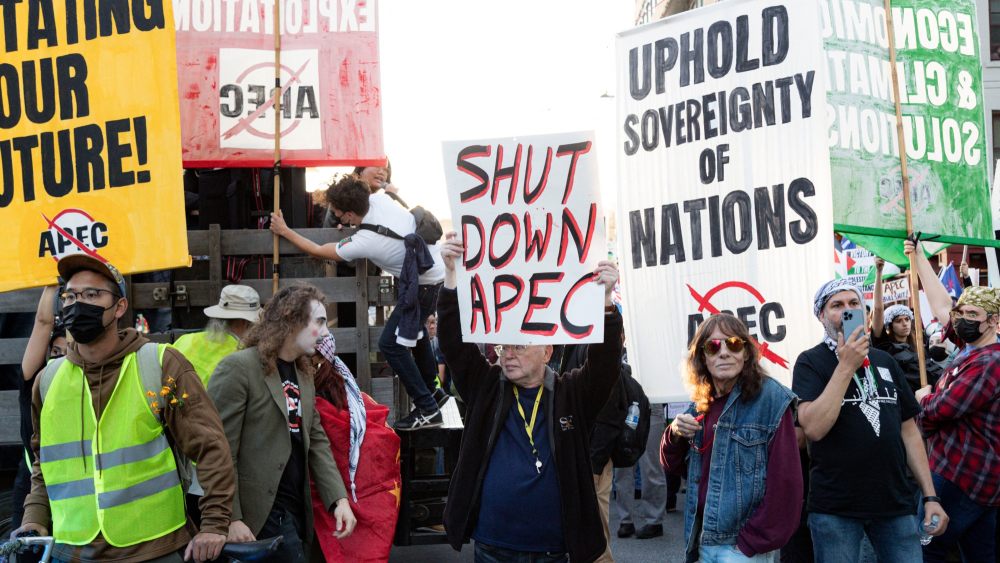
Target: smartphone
point(853, 318)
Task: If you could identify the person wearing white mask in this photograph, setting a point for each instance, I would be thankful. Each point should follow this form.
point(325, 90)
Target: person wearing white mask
point(267, 400)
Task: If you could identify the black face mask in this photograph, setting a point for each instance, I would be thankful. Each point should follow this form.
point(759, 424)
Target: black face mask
point(938, 353)
point(968, 330)
point(85, 321)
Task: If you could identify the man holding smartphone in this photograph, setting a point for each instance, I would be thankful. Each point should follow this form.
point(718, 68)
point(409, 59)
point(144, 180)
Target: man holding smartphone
point(857, 412)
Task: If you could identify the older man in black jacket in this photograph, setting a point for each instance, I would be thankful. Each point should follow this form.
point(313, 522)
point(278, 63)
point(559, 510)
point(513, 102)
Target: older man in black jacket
point(524, 483)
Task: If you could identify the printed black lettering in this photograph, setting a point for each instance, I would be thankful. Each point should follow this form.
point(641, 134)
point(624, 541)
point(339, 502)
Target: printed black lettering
point(118, 151)
point(666, 122)
point(7, 169)
point(805, 230)
point(631, 145)
point(709, 116)
point(694, 207)
point(671, 237)
point(571, 329)
point(10, 24)
point(88, 143)
point(805, 92)
point(474, 151)
point(508, 255)
point(743, 64)
point(784, 88)
point(479, 305)
point(740, 114)
point(745, 314)
point(41, 24)
point(693, 129)
point(720, 49)
point(116, 13)
point(643, 239)
point(775, 24)
point(64, 185)
point(508, 173)
point(766, 311)
point(715, 226)
point(763, 104)
point(499, 282)
point(770, 218)
point(306, 102)
point(71, 71)
point(639, 92)
point(537, 302)
point(478, 258)
point(32, 84)
point(10, 104)
point(694, 55)
point(650, 130)
point(25, 145)
point(531, 196)
point(666, 58)
point(742, 200)
point(152, 20)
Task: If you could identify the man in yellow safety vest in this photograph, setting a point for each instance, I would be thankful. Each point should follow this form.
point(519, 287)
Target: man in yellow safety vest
point(105, 479)
point(238, 308)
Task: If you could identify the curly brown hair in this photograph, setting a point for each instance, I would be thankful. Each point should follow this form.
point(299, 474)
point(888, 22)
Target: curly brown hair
point(348, 193)
point(698, 380)
point(282, 318)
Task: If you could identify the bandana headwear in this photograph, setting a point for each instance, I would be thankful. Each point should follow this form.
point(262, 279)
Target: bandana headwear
point(896, 311)
point(986, 297)
point(355, 405)
point(830, 289)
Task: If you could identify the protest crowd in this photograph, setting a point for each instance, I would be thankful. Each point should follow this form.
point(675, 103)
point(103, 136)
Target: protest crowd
point(586, 396)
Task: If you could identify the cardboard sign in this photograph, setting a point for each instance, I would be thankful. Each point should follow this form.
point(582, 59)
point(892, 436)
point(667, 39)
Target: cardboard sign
point(89, 138)
point(725, 183)
point(331, 105)
point(529, 211)
point(896, 290)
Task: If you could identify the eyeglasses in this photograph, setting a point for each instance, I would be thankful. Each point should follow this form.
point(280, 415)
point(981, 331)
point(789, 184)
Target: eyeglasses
point(968, 315)
point(734, 344)
point(89, 295)
point(502, 349)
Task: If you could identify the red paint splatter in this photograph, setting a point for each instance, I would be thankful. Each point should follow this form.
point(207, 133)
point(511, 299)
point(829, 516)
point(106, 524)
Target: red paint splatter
point(211, 62)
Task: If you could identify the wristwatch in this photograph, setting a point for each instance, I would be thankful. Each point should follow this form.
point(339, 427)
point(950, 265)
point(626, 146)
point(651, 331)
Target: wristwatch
point(932, 499)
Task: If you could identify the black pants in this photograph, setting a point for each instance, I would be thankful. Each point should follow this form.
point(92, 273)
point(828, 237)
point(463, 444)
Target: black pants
point(281, 522)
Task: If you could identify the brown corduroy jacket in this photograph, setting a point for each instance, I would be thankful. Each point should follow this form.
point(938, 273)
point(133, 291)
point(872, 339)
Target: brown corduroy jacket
point(194, 429)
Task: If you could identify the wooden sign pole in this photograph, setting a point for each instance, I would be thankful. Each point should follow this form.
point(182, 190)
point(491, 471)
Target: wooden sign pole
point(918, 327)
point(277, 131)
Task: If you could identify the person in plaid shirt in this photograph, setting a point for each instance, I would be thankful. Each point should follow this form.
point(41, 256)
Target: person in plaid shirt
point(961, 420)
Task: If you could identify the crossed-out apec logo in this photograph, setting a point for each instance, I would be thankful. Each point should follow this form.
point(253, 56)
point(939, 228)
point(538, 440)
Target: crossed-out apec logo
point(72, 231)
point(759, 313)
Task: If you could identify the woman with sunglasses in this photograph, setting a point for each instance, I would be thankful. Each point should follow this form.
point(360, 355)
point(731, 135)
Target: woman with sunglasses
point(737, 447)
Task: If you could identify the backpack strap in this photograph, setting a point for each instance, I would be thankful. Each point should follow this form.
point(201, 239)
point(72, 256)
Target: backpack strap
point(149, 357)
point(380, 229)
point(48, 376)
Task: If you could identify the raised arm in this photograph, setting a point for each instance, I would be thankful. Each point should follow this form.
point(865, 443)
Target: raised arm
point(602, 369)
point(936, 293)
point(324, 252)
point(35, 355)
point(467, 363)
point(878, 308)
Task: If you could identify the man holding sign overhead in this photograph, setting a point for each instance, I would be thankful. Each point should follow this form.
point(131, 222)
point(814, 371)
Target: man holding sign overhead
point(523, 481)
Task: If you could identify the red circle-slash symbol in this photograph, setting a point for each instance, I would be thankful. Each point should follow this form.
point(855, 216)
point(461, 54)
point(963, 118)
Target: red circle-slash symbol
point(704, 304)
point(245, 122)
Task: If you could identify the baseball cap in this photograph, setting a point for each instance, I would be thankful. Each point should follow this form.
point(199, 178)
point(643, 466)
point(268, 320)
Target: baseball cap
point(70, 265)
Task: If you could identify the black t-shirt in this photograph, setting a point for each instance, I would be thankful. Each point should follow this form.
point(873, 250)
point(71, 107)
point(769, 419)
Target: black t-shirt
point(858, 469)
point(292, 485)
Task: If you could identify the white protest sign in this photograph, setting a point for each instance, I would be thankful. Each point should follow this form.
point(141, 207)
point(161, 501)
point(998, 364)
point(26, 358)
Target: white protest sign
point(896, 290)
point(724, 175)
point(529, 211)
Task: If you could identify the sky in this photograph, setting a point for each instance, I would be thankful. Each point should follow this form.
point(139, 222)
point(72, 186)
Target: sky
point(470, 69)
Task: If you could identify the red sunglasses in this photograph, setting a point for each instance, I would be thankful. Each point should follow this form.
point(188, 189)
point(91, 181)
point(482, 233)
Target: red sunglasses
point(734, 344)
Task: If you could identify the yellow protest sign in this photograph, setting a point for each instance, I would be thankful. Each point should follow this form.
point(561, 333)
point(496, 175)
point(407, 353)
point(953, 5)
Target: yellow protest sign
point(90, 150)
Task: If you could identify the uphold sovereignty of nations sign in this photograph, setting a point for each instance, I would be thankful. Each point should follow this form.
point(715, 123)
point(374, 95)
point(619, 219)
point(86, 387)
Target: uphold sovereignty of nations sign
point(331, 101)
point(725, 176)
point(90, 152)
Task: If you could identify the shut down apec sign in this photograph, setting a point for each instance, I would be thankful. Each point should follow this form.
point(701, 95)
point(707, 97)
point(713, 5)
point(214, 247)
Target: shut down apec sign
point(89, 137)
point(725, 177)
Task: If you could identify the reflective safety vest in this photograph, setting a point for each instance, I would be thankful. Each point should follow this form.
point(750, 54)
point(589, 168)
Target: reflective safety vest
point(205, 353)
point(116, 476)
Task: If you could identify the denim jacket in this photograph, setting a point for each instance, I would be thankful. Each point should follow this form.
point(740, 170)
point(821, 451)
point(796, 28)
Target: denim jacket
point(739, 465)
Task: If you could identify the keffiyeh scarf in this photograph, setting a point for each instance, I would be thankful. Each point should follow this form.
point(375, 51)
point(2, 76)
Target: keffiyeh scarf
point(355, 405)
point(896, 311)
point(830, 289)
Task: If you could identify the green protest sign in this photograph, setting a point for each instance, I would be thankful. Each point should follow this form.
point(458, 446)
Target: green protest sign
point(940, 81)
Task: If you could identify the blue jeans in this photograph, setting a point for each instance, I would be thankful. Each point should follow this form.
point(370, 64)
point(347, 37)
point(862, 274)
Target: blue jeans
point(732, 554)
point(971, 525)
point(417, 370)
point(492, 554)
point(836, 538)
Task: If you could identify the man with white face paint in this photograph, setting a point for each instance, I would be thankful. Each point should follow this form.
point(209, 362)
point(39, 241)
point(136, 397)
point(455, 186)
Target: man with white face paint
point(267, 400)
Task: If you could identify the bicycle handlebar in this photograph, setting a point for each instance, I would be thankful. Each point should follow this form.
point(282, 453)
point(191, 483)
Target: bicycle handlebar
point(252, 551)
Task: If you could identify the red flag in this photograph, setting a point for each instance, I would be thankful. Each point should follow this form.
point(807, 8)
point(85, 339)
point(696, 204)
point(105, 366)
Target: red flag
point(377, 481)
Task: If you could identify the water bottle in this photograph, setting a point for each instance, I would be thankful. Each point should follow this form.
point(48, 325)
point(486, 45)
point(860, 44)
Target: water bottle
point(632, 420)
point(925, 537)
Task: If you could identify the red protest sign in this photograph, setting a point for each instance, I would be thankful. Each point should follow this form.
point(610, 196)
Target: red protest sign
point(330, 85)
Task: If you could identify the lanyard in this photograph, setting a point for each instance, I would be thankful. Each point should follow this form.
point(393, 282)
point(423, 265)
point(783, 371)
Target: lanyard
point(530, 426)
